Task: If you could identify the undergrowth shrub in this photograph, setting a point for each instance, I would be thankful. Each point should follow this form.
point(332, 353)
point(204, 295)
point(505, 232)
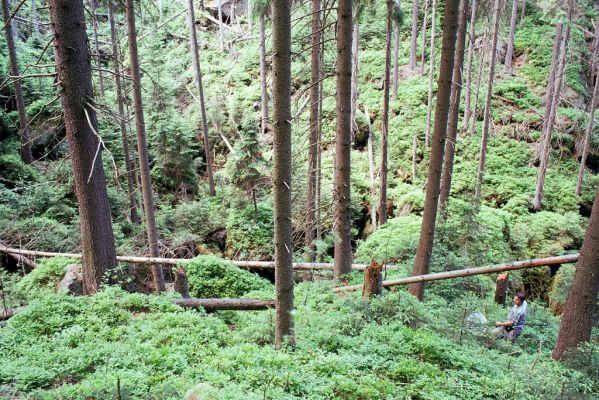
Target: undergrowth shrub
point(210, 276)
point(250, 233)
point(44, 278)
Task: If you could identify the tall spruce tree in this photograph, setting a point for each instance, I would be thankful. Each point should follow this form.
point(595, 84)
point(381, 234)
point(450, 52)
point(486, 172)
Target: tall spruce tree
point(75, 77)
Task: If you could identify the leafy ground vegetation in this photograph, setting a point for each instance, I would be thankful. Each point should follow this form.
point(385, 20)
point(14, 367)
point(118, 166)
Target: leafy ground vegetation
point(144, 347)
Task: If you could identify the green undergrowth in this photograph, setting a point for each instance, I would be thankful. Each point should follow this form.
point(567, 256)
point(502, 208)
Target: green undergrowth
point(64, 347)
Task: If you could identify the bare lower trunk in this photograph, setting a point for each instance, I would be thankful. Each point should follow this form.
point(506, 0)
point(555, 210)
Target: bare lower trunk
point(97, 47)
point(74, 75)
point(385, 127)
point(221, 40)
point(281, 49)
point(454, 110)
point(396, 60)
point(414, 35)
point(414, 155)
point(14, 71)
point(431, 76)
point(263, 92)
point(371, 171)
point(343, 250)
point(131, 192)
point(142, 149)
point(197, 72)
point(469, 66)
point(314, 131)
point(587, 138)
point(423, 36)
point(510, 39)
point(487, 122)
point(546, 138)
point(577, 320)
point(427, 231)
point(354, 75)
point(479, 76)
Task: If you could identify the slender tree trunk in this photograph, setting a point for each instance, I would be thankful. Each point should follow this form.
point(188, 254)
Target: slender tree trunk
point(414, 155)
point(454, 110)
point(97, 46)
point(577, 320)
point(469, 65)
point(396, 59)
point(487, 122)
point(523, 13)
point(354, 72)
point(314, 139)
point(371, 171)
point(479, 76)
point(423, 37)
point(587, 136)
point(343, 250)
point(263, 92)
point(319, 169)
point(74, 75)
point(131, 192)
point(14, 71)
point(221, 39)
point(197, 72)
point(385, 127)
point(142, 149)
point(546, 138)
point(414, 36)
point(550, 91)
point(510, 39)
point(427, 232)
point(281, 49)
point(431, 76)
point(35, 17)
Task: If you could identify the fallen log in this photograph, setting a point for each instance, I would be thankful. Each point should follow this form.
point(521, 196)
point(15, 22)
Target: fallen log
point(176, 261)
point(19, 258)
point(226, 304)
point(536, 262)
point(6, 314)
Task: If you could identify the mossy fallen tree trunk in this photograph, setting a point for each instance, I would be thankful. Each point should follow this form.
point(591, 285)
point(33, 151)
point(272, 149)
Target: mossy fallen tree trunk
point(536, 262)
point(6, 314)
point(226, 304)
point(175, 261)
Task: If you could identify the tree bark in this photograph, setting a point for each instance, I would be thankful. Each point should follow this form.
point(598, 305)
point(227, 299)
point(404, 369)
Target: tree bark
point(396, 58)
point(343, 250)
point(281, 49)
point(578, 317)
point(181, 282)
point(123, 117)
point(314, 139)
point(414, 36)
point(427, 232)
point(479, 75)
point(454, 110)
point(487, 121)
point(263, 92)
point(587, 138)
point(510, 39)
point(226, 304)
point(26, 155)
point(373, 280)
point(547, 134)
point(423, 37)
point(491, 269)
point(197, 72)
point(385, 127)
point(142, 149)
point(74, 74)
point(429, 111)
point(466, 119)
point(355, 67)
point(221, 40)
point(371, 172)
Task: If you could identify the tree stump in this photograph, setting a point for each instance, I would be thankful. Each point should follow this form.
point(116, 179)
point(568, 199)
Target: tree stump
point(373, 280)
point(181, 283)
point(501, 285)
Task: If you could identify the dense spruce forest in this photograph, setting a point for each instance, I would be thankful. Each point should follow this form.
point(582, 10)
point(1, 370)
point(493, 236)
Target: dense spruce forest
point(277, 199)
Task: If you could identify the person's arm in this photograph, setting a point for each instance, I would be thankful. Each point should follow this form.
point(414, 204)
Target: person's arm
point(508, 323)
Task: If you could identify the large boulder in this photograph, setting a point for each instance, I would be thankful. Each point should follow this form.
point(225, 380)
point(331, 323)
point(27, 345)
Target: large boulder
point(72, 281)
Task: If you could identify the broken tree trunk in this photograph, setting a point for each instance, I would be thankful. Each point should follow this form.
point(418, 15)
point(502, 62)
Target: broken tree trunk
point(226, 304)
point(501, 284)
point(373, 280)
point(536, 262)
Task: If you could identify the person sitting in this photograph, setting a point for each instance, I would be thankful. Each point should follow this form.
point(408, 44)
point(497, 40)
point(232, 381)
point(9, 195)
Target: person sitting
point(513, 327)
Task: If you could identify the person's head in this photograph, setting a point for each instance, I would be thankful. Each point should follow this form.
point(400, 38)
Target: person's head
point(519, 298)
